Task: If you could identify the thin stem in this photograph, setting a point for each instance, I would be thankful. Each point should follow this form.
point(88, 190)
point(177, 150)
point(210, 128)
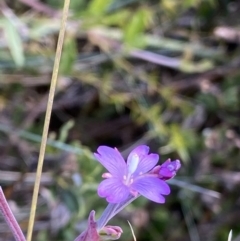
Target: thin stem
point(47, 118)
point(106, 215)
point(9, 218)
point(111, 210)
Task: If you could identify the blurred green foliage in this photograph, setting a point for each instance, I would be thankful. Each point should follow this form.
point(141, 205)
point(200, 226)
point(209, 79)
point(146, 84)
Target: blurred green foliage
point(132, 72)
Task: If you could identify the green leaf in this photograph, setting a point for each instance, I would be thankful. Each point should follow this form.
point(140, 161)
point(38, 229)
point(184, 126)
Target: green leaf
point(70, 199)
point(182, 140)
point(118, 18)
point(116, 5)
point(196, 67)
point(14, 43)
point(69, 56)
point(65, 130)
point(209, 101)
point(139, 22)
point(98, 7)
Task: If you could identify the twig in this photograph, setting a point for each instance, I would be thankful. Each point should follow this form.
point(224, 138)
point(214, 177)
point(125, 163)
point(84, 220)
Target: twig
point(47, 118)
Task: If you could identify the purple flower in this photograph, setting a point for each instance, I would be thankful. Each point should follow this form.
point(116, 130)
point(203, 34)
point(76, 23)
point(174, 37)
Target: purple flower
point(131, 178)
point(169, 169)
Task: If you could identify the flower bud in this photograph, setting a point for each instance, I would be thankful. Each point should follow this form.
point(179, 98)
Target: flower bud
point(92, 233)
point(169, 169)
point(110, 233)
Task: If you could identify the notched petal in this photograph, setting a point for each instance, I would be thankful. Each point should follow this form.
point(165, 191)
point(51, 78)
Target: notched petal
point(112, 160)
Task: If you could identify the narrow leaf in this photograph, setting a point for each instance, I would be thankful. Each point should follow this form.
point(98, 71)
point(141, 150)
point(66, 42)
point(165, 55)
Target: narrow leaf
point(98, 7)
point(14, 43)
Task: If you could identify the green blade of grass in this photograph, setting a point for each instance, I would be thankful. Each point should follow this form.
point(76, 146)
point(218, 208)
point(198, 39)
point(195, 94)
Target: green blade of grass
point(14, 43)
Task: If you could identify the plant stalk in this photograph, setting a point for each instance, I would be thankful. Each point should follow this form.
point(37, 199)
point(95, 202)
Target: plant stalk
point(9, 218)
point(47, 118)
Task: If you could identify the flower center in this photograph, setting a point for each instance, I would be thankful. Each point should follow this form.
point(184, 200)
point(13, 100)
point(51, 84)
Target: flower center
point(127, 180)
point(131, 168)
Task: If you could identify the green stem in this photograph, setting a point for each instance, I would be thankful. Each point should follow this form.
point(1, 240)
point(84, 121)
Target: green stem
point(47, 118)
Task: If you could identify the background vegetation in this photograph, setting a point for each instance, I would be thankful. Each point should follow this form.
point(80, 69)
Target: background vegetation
point(162, 73)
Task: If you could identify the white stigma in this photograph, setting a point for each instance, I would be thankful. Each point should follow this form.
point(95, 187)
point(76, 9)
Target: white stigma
point(133, 164)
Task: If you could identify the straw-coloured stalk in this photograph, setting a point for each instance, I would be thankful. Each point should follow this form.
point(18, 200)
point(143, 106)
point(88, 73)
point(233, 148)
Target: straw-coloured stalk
point(47, 118)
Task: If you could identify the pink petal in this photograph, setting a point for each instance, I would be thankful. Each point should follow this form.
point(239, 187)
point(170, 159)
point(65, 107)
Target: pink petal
point(112, 160)
point(151, 188)
point(147, 163)
point(113, 190)
point(140, 151)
